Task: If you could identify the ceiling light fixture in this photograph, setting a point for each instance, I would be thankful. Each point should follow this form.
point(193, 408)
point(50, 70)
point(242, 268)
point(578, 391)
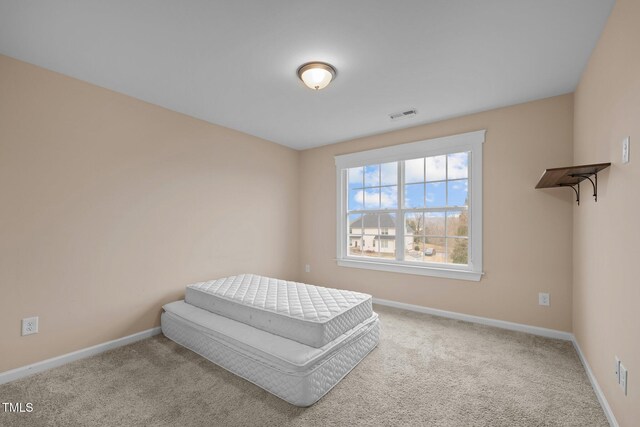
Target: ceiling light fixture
point(316, 75)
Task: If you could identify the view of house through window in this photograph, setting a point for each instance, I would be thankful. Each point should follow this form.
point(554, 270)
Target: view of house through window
point(415, 210)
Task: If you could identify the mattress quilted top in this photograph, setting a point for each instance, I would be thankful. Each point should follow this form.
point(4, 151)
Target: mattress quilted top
point(297, 300)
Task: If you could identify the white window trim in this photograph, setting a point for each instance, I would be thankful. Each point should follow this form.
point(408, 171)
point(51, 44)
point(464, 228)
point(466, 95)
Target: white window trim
point(471, 141)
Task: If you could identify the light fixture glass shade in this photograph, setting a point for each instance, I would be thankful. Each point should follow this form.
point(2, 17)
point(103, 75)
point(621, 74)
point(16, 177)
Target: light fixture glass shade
point(316, 75)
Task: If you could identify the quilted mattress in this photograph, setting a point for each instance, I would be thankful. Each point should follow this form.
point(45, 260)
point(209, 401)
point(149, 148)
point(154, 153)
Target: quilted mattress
point(295, 372)
point(309, 314)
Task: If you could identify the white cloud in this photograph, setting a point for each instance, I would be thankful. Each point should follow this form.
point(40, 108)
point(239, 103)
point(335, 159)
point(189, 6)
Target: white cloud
point(373, 198)
point(374, 175)
point(458, 165)
point(355, 175)
point(459, 185)
point(414, 170)
point(389, 173)
point(389, 197)
point(436, 168)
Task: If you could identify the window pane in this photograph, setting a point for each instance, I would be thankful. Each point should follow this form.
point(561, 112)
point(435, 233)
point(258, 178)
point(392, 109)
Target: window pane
point(414, 224)
point(457, 223)
point(372, 198)
point(434, 223)
point(434, 249)
point(458, 166)
point(389, 173)
point(414, 248)
point(414, 170)
point(356, 178)
point(387, 223)
point(389, 197)
point(371, 175)
point(386, 246)
point(458, 251)
point(355, 224)
point(355, 245)
point(414, 196)
point(371, 224)
point(356, 200)
point(436, 168)
point(370, 246)
point(436, 195)
point(458, 192)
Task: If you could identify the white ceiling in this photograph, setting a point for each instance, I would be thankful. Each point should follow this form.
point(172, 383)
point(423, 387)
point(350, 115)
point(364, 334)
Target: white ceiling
point(234, 63)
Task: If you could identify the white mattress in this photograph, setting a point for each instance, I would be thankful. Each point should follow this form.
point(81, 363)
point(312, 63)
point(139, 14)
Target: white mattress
point(295, 372)
point(311, 315)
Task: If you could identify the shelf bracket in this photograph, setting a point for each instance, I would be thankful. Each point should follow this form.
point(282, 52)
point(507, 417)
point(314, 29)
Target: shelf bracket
point(593, 184)
point(575, 188)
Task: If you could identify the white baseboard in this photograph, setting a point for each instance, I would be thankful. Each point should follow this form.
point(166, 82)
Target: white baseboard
point(596, 387)
point(535, 330)
point(25, 371)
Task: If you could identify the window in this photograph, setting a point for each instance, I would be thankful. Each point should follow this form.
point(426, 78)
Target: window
point(413, 208)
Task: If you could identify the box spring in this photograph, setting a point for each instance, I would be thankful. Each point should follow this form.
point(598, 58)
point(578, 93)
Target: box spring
point(295, 372)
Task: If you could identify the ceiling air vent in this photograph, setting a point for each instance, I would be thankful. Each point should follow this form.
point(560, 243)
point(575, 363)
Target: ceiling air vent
point(403, 114)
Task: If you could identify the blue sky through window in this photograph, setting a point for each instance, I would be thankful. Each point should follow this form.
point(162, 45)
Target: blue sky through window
point(458, 191)
point(414, 196)
point(372, 175)
point(438, 181)
point(436, 195)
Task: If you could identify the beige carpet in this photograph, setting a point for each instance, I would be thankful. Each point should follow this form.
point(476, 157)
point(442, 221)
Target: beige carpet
point(426, 371)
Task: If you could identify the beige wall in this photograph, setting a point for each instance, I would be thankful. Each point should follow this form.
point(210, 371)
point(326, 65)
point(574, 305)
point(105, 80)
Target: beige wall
point(527, 232)
point(109, 206)
point(606, 243)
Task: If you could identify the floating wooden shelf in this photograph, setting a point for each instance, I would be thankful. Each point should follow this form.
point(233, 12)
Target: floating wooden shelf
point(572, 176)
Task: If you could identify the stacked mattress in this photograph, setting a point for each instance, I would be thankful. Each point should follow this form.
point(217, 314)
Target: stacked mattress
point(294, 340)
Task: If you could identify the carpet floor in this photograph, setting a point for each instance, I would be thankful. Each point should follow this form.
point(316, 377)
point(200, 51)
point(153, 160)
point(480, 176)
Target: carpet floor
point(426, 370)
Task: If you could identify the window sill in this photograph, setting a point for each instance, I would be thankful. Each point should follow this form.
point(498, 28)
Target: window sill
point(412, 269)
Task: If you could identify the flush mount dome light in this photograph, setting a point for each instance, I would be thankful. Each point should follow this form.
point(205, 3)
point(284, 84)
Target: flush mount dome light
point(316, 75)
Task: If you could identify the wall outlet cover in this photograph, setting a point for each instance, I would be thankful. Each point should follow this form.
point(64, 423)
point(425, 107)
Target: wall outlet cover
point(617, 369)
point(29, 325)
point(543, 298)
point(623, 378)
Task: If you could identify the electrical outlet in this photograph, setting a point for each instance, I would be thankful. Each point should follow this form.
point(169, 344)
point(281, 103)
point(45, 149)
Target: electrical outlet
point(617, 370)
point(543, 298)
point(623, 378)
point(307, 268)
point(29, 325)
point(625, 150)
